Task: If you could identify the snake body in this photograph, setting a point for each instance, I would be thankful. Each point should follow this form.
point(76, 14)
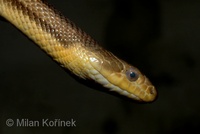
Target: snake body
point(74, 50)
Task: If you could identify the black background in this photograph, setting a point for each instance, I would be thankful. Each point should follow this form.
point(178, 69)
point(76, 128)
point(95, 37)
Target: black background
point(161, 38)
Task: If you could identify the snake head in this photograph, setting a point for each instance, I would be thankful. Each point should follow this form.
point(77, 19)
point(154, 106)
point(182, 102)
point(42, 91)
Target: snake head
point(123, 78)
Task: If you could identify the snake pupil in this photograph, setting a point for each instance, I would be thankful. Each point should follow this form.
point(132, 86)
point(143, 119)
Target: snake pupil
point(132, 75)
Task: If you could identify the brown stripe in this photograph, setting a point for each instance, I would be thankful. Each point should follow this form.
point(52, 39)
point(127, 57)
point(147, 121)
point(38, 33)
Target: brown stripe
point(53, 22)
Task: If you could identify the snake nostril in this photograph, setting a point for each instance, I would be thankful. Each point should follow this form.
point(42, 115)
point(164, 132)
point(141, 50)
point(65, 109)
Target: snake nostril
point(151, 90)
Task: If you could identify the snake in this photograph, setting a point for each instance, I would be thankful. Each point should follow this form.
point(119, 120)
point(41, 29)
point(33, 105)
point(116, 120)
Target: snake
point(75, 50)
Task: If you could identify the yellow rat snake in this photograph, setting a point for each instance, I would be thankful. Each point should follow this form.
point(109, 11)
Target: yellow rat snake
point(74, 50)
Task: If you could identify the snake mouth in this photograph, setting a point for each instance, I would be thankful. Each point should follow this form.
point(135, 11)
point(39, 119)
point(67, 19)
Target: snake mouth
point(141, 90)
point(115, 88)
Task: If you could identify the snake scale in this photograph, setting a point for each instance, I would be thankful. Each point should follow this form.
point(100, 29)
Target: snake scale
point(74, 50)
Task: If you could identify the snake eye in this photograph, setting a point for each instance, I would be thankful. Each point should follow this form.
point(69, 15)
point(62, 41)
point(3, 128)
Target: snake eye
point(131, 74)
